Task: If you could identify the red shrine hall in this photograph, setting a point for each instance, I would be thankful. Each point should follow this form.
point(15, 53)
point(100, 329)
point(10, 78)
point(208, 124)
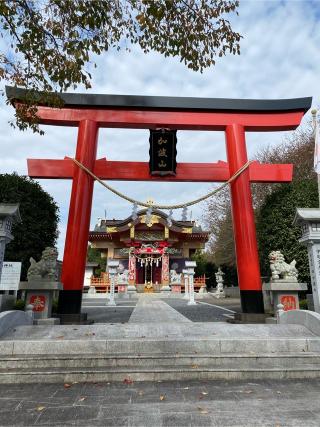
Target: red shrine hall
point(235, 117)
point(149, 252)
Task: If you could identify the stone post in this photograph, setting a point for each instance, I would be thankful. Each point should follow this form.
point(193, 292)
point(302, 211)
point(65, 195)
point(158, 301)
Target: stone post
point(186, 284)
point(112, 267)
point(190, 266)
point(280, 310)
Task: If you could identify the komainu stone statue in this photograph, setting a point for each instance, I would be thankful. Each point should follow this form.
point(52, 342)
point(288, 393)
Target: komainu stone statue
point(281, 270)
point(175, 278)
point(46, 268)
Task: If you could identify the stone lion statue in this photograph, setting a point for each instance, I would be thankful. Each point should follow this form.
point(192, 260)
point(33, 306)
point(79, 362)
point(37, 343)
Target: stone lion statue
point(280, 269)
point(175, 278)
point(123, 277)
point(46, 268)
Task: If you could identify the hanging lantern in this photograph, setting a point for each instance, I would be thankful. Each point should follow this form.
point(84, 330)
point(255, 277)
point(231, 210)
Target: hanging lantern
point(163, 152)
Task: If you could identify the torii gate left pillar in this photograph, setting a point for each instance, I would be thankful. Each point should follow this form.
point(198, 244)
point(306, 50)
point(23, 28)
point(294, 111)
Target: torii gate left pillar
point(75, 250)
point(234, 117)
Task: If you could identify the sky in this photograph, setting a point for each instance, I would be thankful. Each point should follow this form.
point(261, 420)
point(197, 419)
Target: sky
point(280, 58)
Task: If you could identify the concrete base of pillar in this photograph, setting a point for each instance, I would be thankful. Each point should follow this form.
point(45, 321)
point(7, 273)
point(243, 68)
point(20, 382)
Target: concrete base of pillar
point(49, 321)
point(132, 289)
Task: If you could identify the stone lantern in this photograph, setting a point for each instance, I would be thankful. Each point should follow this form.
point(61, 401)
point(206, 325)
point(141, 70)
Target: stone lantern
point(309, 220)
point(190, 266)
point(9, 213)
point(112, 268)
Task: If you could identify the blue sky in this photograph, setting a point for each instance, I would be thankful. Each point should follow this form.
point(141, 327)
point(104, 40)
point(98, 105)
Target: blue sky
point(280, 58)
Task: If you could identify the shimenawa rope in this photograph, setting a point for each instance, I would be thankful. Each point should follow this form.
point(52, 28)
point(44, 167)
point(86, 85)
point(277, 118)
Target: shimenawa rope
point(155, 206)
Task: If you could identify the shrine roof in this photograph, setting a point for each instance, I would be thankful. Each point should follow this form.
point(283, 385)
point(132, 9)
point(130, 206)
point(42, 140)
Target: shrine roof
point(89, 100)
point(101, 227)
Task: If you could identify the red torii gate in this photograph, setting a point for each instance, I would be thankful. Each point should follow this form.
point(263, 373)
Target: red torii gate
point(233, 116)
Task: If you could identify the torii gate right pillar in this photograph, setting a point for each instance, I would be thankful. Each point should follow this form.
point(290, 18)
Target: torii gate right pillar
point(244, 223)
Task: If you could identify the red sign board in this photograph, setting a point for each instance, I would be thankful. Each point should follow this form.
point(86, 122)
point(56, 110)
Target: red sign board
point(38, 302)
point(289, 302)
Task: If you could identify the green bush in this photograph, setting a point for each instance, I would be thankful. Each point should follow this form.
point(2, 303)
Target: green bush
point(303, 303)
point(55, 305)
point(19, 305)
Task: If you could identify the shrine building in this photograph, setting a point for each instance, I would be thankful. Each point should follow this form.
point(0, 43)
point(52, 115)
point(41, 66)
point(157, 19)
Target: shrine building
point(151, 249)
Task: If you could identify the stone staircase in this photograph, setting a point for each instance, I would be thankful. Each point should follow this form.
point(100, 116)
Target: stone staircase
point(158, 344)
point(149, 359)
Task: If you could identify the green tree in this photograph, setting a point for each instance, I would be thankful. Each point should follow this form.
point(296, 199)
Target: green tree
point(39, 214)
point(53, 42)
point(274, 224)
point(94, 255)
point(296, 149)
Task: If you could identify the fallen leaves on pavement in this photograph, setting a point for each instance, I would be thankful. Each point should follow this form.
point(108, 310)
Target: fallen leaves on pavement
point(202, 410)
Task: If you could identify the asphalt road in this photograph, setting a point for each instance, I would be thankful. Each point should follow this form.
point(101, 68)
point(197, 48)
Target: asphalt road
point(207, 310)
point(101, 313)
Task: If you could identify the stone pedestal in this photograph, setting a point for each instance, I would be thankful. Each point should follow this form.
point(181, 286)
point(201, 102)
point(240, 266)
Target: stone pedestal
point(284, 292)
point(122, 288)
point(122, 291)
point(92, 290)
point(219, 293)
point(165, 289)
point(40, 293)
point(156, 287)
point(140, 288)
point(132, 289)
point(176, 288)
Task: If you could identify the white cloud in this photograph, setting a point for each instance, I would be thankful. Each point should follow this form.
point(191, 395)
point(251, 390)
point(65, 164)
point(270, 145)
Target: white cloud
point(279, 59)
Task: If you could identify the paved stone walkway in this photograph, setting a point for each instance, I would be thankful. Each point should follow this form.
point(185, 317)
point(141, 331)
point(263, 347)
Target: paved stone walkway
point(153, 310)
point(194, 403)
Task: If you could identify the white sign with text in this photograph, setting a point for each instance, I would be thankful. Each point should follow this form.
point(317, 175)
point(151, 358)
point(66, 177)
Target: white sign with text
point(10, 276)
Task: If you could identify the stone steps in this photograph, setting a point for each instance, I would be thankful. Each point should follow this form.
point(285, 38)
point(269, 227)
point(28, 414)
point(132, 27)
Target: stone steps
point(284, 360)
point(115, 367)
point(165, 346)
point(155, 374)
